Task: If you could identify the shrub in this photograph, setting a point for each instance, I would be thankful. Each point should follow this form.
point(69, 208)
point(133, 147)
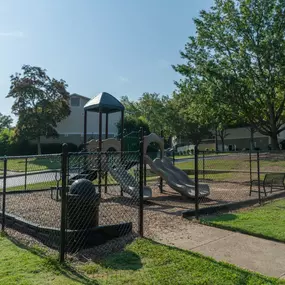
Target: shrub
point(54, 148)
point(11, 145)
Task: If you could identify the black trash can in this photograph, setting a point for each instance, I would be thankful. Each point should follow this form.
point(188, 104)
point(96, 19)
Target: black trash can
point(83, 202)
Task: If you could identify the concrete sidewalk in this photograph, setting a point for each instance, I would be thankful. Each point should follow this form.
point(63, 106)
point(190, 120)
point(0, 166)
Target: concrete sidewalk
point(255, 254)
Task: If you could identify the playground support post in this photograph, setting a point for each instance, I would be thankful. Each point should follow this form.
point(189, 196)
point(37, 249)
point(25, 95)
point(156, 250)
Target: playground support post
point(141, 183)
point(106, 137)
point(64, 160)
point(122, 140)
point(100, 150)
point(122, 130)
point(258, 176)
point(85, 129)
point(196, 172)
point(4, 196)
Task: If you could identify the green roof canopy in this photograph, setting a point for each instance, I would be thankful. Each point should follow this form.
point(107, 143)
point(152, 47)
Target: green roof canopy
point(104, 102)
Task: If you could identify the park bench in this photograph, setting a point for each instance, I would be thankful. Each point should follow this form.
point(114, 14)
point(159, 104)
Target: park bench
point(272, 180)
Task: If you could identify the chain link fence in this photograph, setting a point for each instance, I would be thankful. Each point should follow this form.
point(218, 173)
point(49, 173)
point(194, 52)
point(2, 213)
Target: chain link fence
point(27, 204)
point(109, 213)
point(235, 180)
point(72, 202)
point(229, 178)
point(90, 203)
point(218, 182)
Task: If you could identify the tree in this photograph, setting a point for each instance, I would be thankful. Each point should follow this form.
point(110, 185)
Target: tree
point(132, 124)
point(238, 55)
point(151, 108)
point(7, 140)
point(5, 122)
point(40, 103)
point(184, 122)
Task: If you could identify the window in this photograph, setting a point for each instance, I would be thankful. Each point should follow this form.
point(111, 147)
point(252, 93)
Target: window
point(75, 101)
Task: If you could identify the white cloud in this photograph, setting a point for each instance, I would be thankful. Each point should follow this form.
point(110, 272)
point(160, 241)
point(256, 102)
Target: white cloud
point(124, 79)
point(16, 34)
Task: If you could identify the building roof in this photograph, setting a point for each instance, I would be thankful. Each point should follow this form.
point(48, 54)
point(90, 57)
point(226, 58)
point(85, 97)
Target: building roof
point(78, 95)
point(104, 102)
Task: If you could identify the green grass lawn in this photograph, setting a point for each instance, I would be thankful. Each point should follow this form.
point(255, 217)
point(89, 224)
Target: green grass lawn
point(177, 156)
point(142, 262)
point(266, 221)
point(22, 267)
point(34, 186)
point(34, 164)
point(181, 156)
point(237, 163)
point(216, 164)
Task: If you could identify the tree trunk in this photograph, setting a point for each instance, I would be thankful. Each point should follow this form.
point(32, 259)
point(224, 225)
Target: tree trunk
point(274, 131)
point(274, 141)
point(223, 143)
point(222, 136)
point(39, 145)
point(216, 140)
point(251, 139)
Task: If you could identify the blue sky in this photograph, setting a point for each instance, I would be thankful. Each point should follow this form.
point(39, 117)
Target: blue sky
point(124, 47)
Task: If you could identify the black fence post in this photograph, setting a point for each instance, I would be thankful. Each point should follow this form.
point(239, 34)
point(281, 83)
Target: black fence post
point(203, 164)
point(26, 170)
point(161, 157)
point(144, 164)
point(196, 173)
point(64, 161)
point(258, 176)
point(173, 156)
point(250, 171)
point(4, 195)
point(141, 183)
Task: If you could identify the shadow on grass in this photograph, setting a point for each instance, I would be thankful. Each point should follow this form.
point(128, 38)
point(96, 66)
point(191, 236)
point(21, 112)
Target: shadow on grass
point(223, 218)
point(125, 260)
point(245, 274)
point(53, 264)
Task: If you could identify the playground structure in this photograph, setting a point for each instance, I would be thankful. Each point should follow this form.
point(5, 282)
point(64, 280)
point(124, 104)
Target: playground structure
point(119, 179)
point(175, 178)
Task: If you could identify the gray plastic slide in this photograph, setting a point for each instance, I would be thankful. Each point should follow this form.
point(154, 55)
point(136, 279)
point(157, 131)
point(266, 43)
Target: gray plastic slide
point(176, 178)
point(128, 183)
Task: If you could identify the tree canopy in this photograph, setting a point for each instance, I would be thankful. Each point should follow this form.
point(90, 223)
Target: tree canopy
point(235, 65)
point(162, 113)
point(40, 102)
point(5, 122)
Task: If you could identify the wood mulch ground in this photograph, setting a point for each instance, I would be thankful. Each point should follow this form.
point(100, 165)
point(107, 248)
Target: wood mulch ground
point(162, 213)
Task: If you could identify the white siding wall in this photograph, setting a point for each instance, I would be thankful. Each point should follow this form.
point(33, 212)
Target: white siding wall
point(74, 123)
point(241, 133)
